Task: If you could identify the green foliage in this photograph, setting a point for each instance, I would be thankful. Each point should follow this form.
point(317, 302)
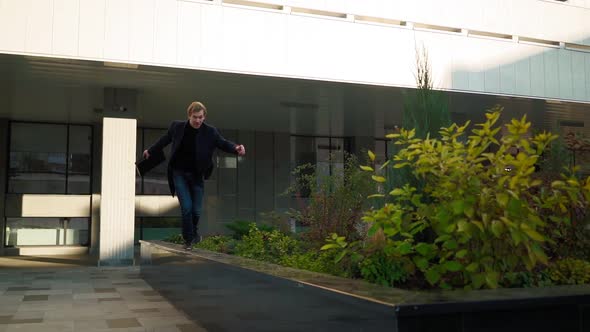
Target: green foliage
point(527, 279)
point(482, 220)
point(323, 262)
point(242, 227)
point(426, 111)
point(268, 246)
point(570, 271)
point(347, 255)
point(555, 157)
point(382, 269)
point(218, 243)
point(176, 238)
point(335, 202)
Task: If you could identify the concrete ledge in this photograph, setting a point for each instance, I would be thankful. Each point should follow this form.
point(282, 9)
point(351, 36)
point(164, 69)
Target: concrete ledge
point(357, 288)
point(557, 308)
point(45, 251)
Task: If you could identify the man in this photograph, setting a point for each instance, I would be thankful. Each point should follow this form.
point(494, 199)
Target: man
point(191, 161)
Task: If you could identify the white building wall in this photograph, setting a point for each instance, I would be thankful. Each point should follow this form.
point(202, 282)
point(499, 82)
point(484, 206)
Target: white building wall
point(218, 35)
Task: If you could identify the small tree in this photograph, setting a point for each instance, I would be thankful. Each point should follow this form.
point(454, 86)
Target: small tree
point(425, 110)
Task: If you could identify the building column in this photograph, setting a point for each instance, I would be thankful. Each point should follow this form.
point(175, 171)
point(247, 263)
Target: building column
point(95, 194)
point(3, 179)
point(117, 199)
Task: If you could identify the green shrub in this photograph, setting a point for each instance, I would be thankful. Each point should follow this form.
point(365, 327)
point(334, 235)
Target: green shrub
point(264, 245)
point(478, 213)
point(527, 279)
point(219, 243)
point(176, 238)
point(383, 270)
point(241, 227)
point(570, 271)
point(323, 262)
point(330, 203)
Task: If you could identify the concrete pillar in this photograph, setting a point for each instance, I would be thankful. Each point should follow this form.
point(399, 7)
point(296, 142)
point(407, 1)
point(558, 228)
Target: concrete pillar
point(117, 201)
point(3, 178)
point(95, 197)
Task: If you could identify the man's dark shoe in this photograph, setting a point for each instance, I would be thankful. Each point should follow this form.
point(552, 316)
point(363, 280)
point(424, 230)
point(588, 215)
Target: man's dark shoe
point(188, 246)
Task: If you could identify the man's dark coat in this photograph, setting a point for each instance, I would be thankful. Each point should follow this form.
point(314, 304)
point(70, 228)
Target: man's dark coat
point(207, 140)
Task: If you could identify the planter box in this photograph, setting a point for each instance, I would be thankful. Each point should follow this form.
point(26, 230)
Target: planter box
point(368, 307)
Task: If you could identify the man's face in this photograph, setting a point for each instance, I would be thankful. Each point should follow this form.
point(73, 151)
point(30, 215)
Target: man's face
point(196, 119)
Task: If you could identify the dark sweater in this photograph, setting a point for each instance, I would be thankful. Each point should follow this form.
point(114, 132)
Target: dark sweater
point(184, 159)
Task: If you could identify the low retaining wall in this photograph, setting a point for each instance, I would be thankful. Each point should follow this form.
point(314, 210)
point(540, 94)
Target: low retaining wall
point(558, 308)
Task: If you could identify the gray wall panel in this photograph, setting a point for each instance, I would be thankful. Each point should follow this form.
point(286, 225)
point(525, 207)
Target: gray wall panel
point(523, 77)
point(579, 75)
point(551, 65)
point(3, 176)
point(565, 74)
point(264, 173)
point(538, 75)
point(247, 177)
point(282, 162)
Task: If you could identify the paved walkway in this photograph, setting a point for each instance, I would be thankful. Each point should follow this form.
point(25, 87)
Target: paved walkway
point(174, 293)
point(71, 294)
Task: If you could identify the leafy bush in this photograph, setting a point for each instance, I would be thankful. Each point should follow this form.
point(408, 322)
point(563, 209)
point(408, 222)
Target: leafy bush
point(242, 227)
point(218, 243)
point(176, 238)
point(336, 202)
point(264, 245)
point(323, 262)
point(570, 271)
point(527, 279)
point(382, 269)
point(485, 214)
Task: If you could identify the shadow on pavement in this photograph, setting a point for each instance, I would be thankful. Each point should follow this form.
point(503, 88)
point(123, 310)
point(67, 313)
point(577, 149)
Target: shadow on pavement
point(222, 297)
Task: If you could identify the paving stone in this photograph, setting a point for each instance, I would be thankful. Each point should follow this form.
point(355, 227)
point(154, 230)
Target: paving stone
point(90, 324)
point(190, 328)
point(105, 290)
point(35, 298)
point(123, 323)
point(151, 322)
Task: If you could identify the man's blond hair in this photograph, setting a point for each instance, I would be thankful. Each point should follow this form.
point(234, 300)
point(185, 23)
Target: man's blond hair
point(196, 106)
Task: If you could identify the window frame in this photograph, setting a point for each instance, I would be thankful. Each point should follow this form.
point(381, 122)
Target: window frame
point(67, 161)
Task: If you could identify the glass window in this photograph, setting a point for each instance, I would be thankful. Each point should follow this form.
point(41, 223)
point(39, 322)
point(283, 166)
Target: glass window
point(37, 161)
point(79, 156)
point(77, 231)
point(139, 153)
point(157, 228)
point(48, 162)
point(326, 154)
point(337, 155)
point(155, 182)
point(47, 231)
point(380, 152)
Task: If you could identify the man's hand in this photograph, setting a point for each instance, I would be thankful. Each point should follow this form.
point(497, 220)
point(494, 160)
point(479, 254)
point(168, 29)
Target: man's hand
point(241, 150)
point(146, 154)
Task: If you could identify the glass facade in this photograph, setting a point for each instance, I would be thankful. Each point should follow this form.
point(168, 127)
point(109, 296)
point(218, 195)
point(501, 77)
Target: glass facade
point(156, 228)
point(326, 154)
point(56, 159)
point(47, 231)
point(155, 182)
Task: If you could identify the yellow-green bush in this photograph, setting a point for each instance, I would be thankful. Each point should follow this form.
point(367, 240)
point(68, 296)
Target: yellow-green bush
point(570, 271)
point(475, 212)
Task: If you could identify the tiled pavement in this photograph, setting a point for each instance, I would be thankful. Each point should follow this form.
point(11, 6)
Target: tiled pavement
point(173, 293)
point(69, 297)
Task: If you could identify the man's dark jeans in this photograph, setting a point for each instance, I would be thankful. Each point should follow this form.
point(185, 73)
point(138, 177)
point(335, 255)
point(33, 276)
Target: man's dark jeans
point(189, 190)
